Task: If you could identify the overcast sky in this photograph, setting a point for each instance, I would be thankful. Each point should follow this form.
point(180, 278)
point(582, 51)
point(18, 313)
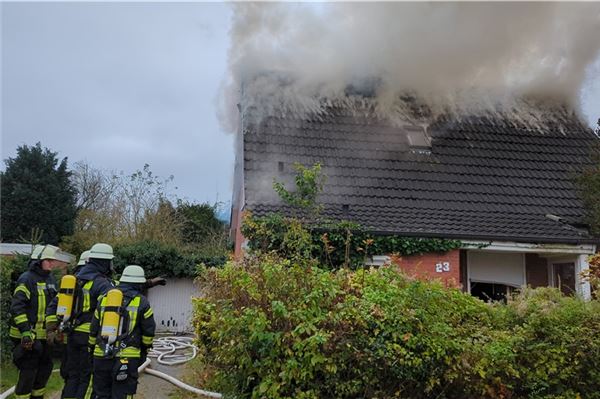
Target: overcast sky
point(120, 85)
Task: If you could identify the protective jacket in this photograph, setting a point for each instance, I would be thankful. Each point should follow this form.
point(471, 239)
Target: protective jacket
point(137, 325)
point(35, 289)
point(92, 283)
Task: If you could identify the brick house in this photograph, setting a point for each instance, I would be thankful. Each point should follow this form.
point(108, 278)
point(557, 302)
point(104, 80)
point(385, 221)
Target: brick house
point(502, 186)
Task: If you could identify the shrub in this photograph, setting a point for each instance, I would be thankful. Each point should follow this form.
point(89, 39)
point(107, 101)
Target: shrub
point(274, 328)
point(161, 260)
point(11, 268)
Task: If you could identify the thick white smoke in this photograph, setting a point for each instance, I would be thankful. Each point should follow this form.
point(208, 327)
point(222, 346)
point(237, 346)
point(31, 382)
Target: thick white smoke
point(452, 56)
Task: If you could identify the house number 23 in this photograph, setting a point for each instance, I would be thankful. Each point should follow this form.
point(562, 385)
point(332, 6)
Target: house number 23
point(442, 267)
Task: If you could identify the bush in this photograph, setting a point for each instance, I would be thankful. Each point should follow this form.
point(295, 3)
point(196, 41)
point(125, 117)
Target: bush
point(161, 260)
point(11, 268)
point(272, 328)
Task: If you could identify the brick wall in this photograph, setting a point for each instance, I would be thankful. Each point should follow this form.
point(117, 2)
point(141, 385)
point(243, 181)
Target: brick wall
point(236, 226)
point(444, 266)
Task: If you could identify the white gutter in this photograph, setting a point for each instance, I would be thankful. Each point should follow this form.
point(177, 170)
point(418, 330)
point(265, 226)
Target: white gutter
point(508, 246)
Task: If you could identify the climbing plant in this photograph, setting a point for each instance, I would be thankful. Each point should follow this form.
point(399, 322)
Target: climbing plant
point(305, 236)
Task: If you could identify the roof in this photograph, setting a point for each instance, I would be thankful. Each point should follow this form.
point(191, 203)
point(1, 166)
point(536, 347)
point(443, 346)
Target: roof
point(8, 249)
point(485, 177)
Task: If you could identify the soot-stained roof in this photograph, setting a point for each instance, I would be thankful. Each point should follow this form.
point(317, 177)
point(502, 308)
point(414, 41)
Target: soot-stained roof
point(482, 178)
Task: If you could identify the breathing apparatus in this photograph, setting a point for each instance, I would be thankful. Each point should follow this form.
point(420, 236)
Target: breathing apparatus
point(111, 321)
point(66, 295)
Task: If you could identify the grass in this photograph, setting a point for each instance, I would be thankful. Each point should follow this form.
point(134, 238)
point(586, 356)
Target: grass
point(9, 375)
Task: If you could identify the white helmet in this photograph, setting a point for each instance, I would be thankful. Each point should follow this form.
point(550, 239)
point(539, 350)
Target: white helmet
point(83, 258)
point(101, 251)
point(133, 274)
point(37, 250)
point(49, 252)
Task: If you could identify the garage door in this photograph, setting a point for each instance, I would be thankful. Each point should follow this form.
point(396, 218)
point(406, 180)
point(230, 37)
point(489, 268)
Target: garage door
point(497, 267)
point(172, 305)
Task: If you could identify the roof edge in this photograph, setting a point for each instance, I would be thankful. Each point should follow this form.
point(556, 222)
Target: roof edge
point(484, 237)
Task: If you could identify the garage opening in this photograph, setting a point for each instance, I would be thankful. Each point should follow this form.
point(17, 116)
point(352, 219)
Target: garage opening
point(493, 276)
point(491, 291)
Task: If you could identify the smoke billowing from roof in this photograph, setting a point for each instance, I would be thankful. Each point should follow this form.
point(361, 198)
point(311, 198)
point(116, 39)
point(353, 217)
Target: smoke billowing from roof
point(452, 56)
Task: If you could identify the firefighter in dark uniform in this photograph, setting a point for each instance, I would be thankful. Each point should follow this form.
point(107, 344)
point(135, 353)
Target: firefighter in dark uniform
point(35, 290)
point(116, 364)
point(93, 281)
point(53, 336)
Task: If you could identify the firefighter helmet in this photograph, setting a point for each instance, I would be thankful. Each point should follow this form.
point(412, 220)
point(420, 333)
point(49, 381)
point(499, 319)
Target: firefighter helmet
point(133, 274)
point(83, 258)
point(101, 251)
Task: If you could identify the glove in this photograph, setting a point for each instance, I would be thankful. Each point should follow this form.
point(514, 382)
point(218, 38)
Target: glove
point(51, 332)
point(153, 282)
point(27, 340)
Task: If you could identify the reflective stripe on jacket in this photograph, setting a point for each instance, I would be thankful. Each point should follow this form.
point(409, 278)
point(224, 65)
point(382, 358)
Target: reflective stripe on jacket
point(137, 326)
point(34, 291)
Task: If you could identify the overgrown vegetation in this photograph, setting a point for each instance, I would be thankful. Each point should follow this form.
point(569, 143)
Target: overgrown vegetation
point(162, 259)
point(291, 320)
point(11, 268)
point(273, 328)
point(589, 187)
point(146, 225)
point(307, 237)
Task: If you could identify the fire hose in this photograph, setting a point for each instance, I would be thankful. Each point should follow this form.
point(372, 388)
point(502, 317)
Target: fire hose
point(165, 351)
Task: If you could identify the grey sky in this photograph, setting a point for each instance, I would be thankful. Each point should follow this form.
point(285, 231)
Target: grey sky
point(120, 85)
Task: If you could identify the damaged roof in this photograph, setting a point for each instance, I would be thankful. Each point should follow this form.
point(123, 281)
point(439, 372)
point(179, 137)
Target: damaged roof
point(474, 178)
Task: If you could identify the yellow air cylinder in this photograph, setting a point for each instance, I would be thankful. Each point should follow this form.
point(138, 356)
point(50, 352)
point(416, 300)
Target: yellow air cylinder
point(65, 297)
point(110, 321)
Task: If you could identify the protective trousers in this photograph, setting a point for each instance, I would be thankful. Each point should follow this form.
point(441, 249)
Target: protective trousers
point(78, 367)
point(35, 367)
point(115, 378)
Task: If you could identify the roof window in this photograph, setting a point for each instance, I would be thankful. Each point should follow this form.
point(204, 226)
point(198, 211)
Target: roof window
point(418, 139)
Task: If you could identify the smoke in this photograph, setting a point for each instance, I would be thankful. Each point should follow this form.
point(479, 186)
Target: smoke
point(451, 56)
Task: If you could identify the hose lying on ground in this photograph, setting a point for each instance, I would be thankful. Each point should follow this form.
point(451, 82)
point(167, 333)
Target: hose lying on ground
point(165, 351)
point(183, 385)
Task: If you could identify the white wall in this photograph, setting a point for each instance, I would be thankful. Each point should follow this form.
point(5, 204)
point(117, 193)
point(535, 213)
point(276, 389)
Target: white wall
point(497, 267)
point(172, 304)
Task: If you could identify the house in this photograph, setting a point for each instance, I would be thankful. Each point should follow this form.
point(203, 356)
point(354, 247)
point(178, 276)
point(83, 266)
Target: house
point(12, 249)
point(501, 183)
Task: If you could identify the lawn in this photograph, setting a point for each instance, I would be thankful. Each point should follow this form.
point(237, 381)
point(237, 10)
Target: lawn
point(9, 373)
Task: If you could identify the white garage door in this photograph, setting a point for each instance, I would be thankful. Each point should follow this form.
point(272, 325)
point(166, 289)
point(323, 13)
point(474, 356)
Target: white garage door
point(497, 267)
point(172, 305)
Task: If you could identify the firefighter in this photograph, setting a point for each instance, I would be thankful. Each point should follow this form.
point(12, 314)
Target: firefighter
point(93, 281)
point(117, 358)
point(53, 335)
point(35, 289)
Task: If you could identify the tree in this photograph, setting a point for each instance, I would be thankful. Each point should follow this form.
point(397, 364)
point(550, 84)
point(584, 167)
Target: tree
point(589, 186)
point(201, 230)
point(37, 194)
point(199, 221)
point(121, 208)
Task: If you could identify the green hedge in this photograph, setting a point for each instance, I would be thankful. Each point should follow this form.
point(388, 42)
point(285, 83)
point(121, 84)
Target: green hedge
point(11, 268)
point(273, 329)
point(334, 244)
point(161, 260)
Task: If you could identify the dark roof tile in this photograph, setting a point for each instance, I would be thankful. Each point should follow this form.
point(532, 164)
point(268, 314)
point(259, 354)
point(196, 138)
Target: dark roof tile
point(484, 177)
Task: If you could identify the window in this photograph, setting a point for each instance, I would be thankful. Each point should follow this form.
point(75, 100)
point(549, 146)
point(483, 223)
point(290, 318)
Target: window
point(418, 140)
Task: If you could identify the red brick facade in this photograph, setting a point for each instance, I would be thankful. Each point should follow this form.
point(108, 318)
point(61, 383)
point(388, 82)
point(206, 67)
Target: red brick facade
point(443, 266)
